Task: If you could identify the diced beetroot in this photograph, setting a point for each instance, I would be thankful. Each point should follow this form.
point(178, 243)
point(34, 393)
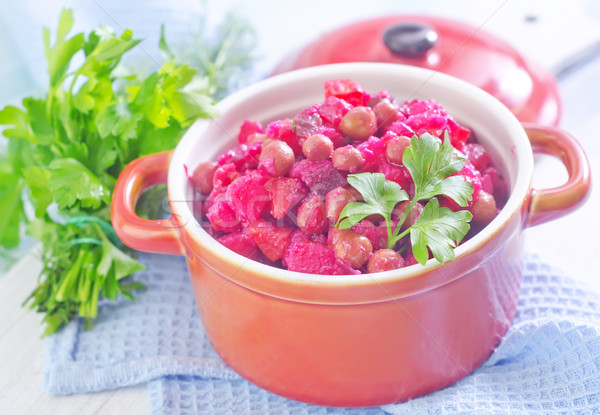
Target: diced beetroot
point(315, 258)
point(224, 175)
point(336, 137)
point(319, 176)
point(241, 243)
point(373, 151)
point(348, 90)
point(410, 259)
point(299, 236)
point(271, 240)
point(381, 95)
point(243, 156)
point(249, 196)
point(382, 233)
point(400, 128)
point(222, 215)
point(398, 174)
point(284, 130)
point(425, 123)
point(430, 117)
point(458, 134)
point(247, 129)
point(319, 238)
point(234, 156)
point(285, 193)
point(470, 174)
point(252, 155)
point(477, 155)
point(332, 111)
point(501, 188)
point(367, 228)
point(389, 136)
point(487, 183)
point(307, 122)
point(429, 106)
point(333, 234)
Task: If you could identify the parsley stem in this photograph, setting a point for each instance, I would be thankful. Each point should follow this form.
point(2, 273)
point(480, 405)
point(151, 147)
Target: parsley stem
point(395, 237)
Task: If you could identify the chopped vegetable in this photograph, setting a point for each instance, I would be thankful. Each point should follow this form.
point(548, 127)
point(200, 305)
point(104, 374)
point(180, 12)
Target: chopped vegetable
point(66, 150)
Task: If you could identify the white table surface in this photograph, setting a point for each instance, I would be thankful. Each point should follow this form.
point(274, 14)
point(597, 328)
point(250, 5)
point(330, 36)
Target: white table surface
point(569, 243)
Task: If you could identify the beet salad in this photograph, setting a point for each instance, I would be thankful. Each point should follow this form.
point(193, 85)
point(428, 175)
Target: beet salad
point(357, 183)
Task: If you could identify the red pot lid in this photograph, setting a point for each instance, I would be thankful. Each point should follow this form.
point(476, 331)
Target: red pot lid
point(455, 48)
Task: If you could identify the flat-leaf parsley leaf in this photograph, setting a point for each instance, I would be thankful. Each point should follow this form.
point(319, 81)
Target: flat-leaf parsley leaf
point(432, 164)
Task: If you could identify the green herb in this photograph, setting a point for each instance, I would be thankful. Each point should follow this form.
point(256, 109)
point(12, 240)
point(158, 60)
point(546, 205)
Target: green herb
point(66, 150)
point(431, 164)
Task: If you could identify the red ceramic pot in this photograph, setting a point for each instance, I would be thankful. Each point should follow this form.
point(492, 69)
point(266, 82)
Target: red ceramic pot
point(356, 340)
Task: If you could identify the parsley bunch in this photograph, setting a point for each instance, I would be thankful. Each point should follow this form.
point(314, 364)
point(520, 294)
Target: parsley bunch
point(431, 164)
point(66, 150)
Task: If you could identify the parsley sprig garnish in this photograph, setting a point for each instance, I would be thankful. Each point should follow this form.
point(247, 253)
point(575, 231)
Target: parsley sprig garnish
point(432, 165)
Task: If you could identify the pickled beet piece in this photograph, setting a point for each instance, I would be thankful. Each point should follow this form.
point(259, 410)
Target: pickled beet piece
point(272, 240)
point(398, 174)
point(315, 258)
point(400, 128)
point(223, 177)
point(249, 196)
point(487, 183)
point(378, 97)
point(300, 236)
point(424, 123)
point(307, 122)
point(477, 155)
point(285, 193)
point(320, 176)
point(410, 259)
point(428, 106)
point(332, 111)
point(241, 243)
point(501, 189)
point(348, 90)
point(470, 174)
point(222, 215)
point(283, 130)
point(247, 129)
point(458, 134)
point(242, 156)
point(373, 151)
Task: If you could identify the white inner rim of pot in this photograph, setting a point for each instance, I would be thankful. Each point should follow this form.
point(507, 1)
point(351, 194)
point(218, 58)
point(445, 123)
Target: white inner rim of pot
point(286, 94)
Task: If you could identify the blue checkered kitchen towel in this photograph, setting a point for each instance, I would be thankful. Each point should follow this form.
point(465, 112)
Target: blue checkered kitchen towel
point(549, 361)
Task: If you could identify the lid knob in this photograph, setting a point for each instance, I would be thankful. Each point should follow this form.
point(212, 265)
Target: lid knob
point(410, 40)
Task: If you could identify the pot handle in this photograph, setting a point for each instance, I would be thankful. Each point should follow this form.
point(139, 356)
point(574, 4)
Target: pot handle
point(158, 236)
point(549, 204)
